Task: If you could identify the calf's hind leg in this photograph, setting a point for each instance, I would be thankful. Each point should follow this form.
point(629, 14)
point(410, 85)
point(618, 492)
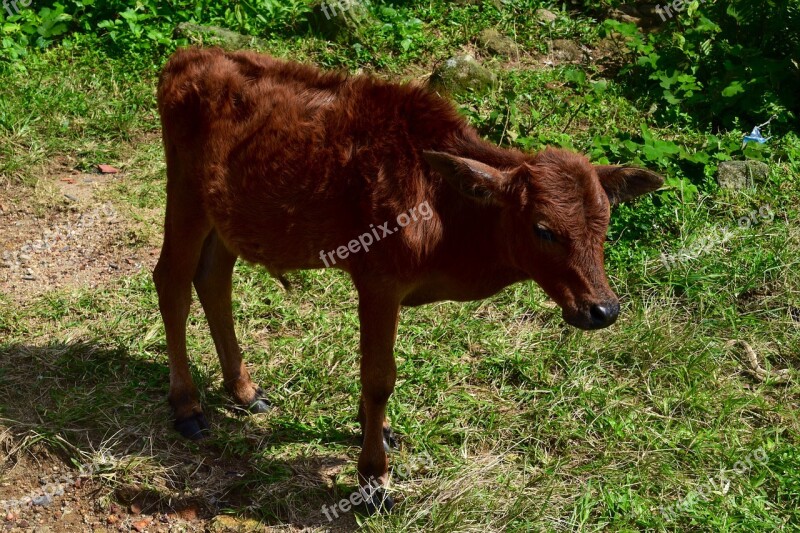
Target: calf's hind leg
point(213, 282)
point(184, 232)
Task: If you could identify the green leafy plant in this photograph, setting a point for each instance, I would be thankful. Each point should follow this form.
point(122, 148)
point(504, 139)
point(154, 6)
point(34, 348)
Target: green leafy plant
point(29, 28)
point(402, 28)
point(720, 62)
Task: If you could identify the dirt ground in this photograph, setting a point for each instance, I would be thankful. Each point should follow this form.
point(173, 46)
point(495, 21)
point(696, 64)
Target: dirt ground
point(65, 237)
point(58, 238)
point(40, 493)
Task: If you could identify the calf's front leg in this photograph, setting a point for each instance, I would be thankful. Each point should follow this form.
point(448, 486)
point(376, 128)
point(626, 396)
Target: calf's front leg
point(389, 437)
point(378, 313)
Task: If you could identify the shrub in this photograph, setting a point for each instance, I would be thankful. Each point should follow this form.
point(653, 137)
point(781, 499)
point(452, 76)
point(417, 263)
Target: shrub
point(716, 62)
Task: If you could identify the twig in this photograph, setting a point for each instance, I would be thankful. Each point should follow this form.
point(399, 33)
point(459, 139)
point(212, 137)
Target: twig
point(754, 368)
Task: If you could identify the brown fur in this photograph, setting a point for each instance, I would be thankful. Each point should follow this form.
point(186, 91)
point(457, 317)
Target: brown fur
point(276, 162)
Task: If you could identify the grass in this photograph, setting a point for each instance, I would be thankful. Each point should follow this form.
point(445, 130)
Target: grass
point(529, 424)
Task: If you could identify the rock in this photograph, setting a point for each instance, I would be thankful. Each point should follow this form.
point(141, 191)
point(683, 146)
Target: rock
point(108, 169)
point(621, 16)
point(496, 43)
point(460, 74)
point(741, 174)
point(340, 20)
point(545, 15)
point(141, 525)
point(566, 51)
point(644, 15)
point(216, 36)
point(224, 523)
point(44, 500)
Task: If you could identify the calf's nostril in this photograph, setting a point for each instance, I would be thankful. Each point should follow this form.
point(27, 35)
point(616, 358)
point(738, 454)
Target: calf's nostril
point(604, 313)
point(599, 313)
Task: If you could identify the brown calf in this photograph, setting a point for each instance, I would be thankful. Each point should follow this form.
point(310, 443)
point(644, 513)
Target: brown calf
point(292, 168)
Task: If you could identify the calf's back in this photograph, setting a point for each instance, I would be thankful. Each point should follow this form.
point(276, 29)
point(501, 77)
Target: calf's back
point(289, 160)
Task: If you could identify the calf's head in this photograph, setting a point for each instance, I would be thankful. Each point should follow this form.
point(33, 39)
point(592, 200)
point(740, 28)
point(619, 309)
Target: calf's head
point(553, 211)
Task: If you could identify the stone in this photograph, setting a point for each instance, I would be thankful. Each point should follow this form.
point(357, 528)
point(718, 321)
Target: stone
point(201, 35)
point(644, 15)
point(341, 20)
point(621, 16)
point(44, 500)
point(566, 51)
point(461, 74)
point(741, 174)
point(496, 43)
point(225, 523)
point(141, 525)
point(545, 15)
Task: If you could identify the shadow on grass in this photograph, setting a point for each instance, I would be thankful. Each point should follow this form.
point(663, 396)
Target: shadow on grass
point(107, 410)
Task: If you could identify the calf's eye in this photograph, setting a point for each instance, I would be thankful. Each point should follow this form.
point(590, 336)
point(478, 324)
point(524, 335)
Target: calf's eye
point(544, 233)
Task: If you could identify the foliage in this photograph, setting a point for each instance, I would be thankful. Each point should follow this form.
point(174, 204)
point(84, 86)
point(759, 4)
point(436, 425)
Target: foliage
point(143, 27)
point(721, 62)
point(29, 29)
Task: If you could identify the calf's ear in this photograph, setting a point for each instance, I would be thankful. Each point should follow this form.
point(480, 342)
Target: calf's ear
point(626, 183)
point(471, 178)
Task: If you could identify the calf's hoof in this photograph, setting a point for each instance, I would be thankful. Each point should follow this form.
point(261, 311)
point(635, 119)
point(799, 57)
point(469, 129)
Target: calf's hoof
point(193, 427)
point(260, 404)
point(378, 501)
